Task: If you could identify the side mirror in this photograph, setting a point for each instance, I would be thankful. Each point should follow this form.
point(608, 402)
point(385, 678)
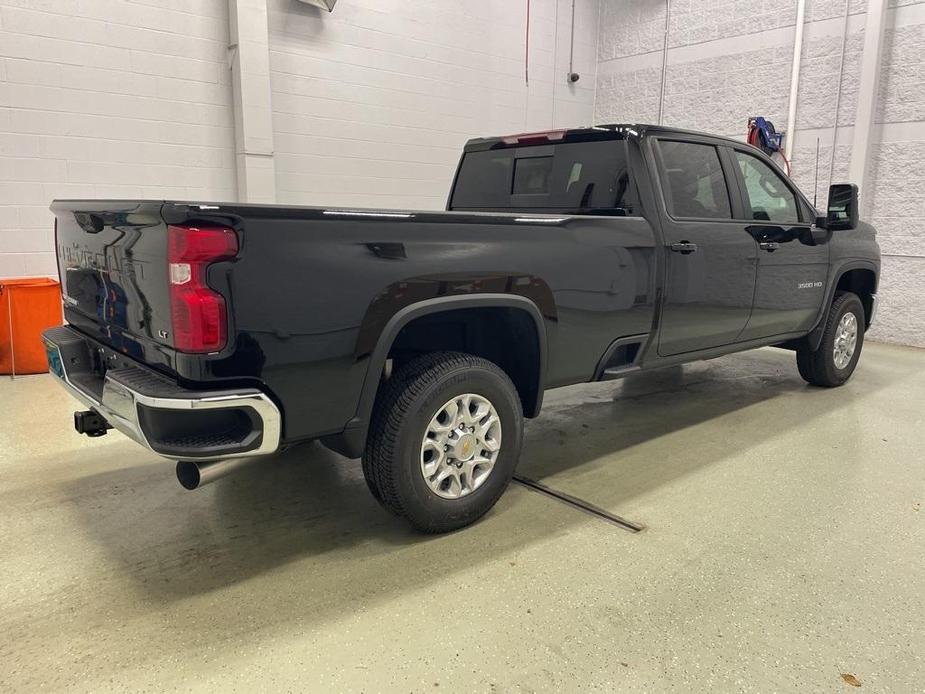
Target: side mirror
point(842, 211)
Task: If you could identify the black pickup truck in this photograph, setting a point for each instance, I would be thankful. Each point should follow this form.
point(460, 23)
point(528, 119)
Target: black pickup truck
point(213, 334)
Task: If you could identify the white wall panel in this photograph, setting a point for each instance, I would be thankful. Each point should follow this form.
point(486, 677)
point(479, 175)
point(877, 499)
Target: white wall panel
point(730, 59)
point(107, 99)
point(373, 102)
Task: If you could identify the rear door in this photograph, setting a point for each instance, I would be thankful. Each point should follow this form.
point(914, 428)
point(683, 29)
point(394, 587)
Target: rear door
point(710, 256)
point(792, 268)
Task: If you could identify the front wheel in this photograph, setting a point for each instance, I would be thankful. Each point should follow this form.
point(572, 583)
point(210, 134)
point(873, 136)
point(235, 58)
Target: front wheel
point(444, 439)
point(837, 356)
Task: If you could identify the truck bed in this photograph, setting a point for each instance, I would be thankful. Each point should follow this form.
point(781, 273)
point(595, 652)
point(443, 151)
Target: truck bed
point(311, 288)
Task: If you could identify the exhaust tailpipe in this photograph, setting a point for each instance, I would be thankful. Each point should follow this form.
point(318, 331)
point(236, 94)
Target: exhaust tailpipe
point(192, 475)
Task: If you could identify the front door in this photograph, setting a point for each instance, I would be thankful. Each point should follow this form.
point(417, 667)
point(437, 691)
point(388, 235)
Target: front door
point(792, 267)
point(710, 258)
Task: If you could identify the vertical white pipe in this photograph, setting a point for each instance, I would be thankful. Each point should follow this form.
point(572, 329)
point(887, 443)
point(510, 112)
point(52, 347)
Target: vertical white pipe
point(874, 28)
point(555, 67)
point(597, 62)
point(794, 80)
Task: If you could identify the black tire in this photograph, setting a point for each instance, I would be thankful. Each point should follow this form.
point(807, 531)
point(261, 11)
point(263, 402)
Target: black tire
point(817, 367)
point(404, 407)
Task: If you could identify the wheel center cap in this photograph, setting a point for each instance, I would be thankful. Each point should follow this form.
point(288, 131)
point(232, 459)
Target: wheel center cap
point(464, 448)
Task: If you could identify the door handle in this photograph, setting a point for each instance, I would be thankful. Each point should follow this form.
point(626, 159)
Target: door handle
point(684, 247)
point(769, 246)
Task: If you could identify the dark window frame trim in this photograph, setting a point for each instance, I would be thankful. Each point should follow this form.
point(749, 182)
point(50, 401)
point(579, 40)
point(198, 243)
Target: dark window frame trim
point(661, 172)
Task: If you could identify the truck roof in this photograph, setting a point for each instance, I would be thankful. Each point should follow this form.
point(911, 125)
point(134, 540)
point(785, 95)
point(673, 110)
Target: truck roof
point(605, 131)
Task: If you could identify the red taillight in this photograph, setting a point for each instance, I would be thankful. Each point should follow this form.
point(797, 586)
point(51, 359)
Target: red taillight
point(197, 312)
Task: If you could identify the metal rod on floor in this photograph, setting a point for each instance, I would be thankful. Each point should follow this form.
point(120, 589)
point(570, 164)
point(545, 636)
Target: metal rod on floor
point(580, 504)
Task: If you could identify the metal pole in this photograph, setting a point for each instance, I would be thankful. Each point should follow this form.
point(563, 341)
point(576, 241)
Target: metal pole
point(527, 48)
point(841, 74)
point(9, 315)
point(661, 96)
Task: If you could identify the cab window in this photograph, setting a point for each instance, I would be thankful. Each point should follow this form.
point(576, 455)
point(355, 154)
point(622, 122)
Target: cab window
point(695, 186)
point(768, 198)
point(574, 177)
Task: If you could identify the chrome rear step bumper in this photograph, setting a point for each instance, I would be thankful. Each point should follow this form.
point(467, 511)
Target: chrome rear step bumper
point(170, 420)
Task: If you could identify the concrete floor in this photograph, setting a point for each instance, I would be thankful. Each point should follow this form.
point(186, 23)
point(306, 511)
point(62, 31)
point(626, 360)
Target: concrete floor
point(785, 545)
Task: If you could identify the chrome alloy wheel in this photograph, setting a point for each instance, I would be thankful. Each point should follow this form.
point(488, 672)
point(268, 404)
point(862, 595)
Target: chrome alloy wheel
point(846, 339)
point(460, 446)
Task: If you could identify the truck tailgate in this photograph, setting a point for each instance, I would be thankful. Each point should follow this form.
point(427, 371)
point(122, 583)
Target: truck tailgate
point(112, 259)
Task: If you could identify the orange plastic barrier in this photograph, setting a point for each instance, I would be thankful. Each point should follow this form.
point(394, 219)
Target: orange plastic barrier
point(27, 307)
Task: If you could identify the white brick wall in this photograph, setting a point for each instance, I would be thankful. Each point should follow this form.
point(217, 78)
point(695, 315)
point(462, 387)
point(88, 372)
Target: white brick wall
point(100, 98)
point(730, 59)
point(898, 168)
point(373, 102)
point(132, 98)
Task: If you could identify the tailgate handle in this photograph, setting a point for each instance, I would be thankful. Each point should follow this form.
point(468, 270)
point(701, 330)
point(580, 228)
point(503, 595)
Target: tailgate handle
point(89, 222)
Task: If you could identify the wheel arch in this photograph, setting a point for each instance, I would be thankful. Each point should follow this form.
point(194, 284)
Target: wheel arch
point(860, 277)
point(352, 440)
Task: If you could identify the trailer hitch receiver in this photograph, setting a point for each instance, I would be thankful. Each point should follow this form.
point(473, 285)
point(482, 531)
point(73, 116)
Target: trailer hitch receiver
point(91, 423)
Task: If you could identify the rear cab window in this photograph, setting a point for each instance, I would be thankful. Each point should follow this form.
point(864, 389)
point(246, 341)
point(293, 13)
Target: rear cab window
point(574, 177)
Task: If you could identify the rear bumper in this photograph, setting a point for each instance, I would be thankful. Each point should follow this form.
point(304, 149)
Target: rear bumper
point(170, 420)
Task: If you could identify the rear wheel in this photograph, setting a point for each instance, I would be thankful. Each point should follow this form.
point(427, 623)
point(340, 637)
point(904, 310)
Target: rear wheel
point(444, 439)
point(837, 356)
